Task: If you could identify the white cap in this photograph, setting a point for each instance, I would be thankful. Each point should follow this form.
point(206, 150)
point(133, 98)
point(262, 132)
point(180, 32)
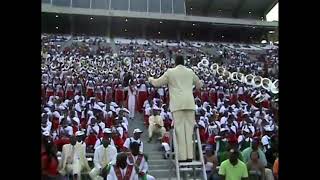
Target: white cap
point(246, 130)
point(100, 103)
point(79, 133)
point(97, 107)
point(107, 130)
point(76, 120)
point(46, 133)
point(267, 128)
point(137, 130)
point(201, 123)
point(223, 129)
point(156, 108)
point(114, 104)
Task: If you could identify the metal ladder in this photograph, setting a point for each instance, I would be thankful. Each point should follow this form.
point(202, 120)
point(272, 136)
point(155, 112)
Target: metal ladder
point(191, 166)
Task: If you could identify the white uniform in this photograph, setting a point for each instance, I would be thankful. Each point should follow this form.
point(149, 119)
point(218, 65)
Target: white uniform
point(98, 143)
point(102, 157)
point(131, 139)
point(153, 120)
point(143, 167)
point(132, 101)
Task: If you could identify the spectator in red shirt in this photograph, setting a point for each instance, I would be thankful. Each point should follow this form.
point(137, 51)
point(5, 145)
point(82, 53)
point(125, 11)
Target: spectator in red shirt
point(49, 160)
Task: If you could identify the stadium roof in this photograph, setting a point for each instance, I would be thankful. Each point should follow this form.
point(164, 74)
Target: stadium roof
point(230, 8)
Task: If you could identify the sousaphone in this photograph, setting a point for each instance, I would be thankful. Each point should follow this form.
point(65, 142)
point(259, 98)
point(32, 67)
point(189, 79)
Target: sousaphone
point(220, 70)
point(234, 76)
point(248, 79)
point(274, 87)
point(266, 83)
point(257, 81)
point(240, 77)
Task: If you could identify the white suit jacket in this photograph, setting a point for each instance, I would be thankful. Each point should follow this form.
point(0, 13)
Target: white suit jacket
point(79, 151)
point(180, 81)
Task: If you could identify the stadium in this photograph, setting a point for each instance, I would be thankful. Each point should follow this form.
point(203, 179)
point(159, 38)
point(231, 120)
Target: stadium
point(99, 103)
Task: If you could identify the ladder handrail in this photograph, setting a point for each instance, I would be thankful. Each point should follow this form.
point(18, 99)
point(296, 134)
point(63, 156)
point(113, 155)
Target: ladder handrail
point(176, 153)
point(176, 150)
point(201, 154)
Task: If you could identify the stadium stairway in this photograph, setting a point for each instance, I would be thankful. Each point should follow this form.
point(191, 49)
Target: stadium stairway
point(160, 168)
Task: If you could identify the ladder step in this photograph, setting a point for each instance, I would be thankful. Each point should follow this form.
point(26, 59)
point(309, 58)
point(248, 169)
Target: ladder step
point(190, 169)
point(193, 163)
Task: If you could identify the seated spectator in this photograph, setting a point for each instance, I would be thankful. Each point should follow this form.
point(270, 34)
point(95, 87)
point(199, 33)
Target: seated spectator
point(233, 168)
point(49, 160)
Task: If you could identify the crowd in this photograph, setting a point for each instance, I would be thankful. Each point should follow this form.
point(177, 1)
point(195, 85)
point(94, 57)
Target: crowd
point(90, 93)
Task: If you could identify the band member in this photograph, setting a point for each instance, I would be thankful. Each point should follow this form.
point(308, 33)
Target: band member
point(99, 94)
point(142, 95)
point(156, 123)
point(119, 94)
point(136, 138)
point(73, 159)
point(69, 91)
point(132, 92)
point(213, 96)
point(90, 89)
point(103, 155)
point(138, 160)
point(122, 170)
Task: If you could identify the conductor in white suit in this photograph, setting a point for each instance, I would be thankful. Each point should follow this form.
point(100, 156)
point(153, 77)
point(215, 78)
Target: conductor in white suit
point(180, 81)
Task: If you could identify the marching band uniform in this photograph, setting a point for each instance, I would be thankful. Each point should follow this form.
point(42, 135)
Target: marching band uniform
point(119, 94)
point(142, 97)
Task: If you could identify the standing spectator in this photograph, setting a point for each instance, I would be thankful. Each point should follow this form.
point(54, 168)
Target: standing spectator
point(233, 168)
point(255, 167)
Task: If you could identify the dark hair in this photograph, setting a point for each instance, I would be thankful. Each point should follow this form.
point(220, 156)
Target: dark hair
point(134, 145)
point(179, 60)
point(50, 150)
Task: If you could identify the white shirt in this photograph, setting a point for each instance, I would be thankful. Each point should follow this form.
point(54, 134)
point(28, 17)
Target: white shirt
point(265, 141)
point(223, 120)
point(98, 143)
point(95, 127)
point(161, 91)
point(222, 109)
point(143, 167)
point(127, 143)
point(240, 91)
point(98, 155)
point(68, 129)
point(142, 87)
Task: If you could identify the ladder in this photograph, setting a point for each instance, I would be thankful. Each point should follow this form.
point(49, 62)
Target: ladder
point(189, 166)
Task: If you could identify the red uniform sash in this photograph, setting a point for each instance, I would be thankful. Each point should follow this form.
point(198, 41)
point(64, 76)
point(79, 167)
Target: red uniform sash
point(138, 161)
point(127, 175)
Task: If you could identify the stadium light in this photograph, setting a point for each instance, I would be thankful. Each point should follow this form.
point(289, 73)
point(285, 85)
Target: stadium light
point(222, 36)
point(57, 16)
point(263, 42)
point(271, 32)
point(126, 20)
point(190, 8)
point(192, 34)
point(125, 30)
point(193, 24)
point(57, 27)
point(219, 10)
point(91, 18)
point(249, 12)
point(159, 32)
point(160, 22)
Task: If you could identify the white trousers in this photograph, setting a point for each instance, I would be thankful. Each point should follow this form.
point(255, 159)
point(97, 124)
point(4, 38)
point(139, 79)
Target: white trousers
point(94, 174)
point(153, 129)
point(184, 121)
